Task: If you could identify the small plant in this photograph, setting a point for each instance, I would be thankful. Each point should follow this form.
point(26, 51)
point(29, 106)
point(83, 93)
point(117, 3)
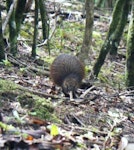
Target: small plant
point(7, 63)
point(22, 69)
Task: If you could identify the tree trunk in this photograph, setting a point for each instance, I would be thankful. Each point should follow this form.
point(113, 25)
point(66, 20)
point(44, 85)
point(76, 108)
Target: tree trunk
point(19, 14)
point(101, 3)
point(35, 29)
point(12, 28)
point(2, 54)
point(44, 19)
point(89, 6)
point(123, 15)
point(130, 54)
point(120, 14)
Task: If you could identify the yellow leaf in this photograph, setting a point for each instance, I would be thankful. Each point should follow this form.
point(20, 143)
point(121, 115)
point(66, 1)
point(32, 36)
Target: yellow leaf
point(54, 130)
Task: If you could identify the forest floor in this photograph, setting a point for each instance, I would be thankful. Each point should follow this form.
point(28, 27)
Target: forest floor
point(101, 118)
point(35, 115)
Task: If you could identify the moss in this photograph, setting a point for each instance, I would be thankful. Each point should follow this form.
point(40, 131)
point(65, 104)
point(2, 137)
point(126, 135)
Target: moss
point(38, 106)
point(6, 85)
point(26, 100)
point(44, 109)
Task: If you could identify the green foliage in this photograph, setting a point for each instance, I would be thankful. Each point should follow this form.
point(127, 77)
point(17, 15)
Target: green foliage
point(27, 33)
point(7, 63)
point(96, 34)
point(66, 35)
point(88, 69)
point(113, 76)
point(22, 70)
point(49, 59)
point(12, 130)
point(98, 40)
point(103, 78)
point(6, 127)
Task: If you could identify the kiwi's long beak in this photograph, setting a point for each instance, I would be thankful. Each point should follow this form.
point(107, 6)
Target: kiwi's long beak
point(71, 95)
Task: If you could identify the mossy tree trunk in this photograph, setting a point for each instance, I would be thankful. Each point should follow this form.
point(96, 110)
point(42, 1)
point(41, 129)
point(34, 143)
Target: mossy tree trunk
point(83, 55)
point(17, 17)
point(106, 3)
point(12, 28)
point(130, 54)
point(15, 22)
point(2, 54)
point(101, 3)
point(44, 19)
point(19, 14)
point(35, 29)
point(117, 25)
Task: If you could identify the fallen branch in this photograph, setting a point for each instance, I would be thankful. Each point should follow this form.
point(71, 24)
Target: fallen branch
point(19, 63)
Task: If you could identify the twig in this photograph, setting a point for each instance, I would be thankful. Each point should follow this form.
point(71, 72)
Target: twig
point(50, 36)
point(109, 133)
point(37, 92)
point(13, 60)
point(89, 128)
point(78, 120)
point(86, 92)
